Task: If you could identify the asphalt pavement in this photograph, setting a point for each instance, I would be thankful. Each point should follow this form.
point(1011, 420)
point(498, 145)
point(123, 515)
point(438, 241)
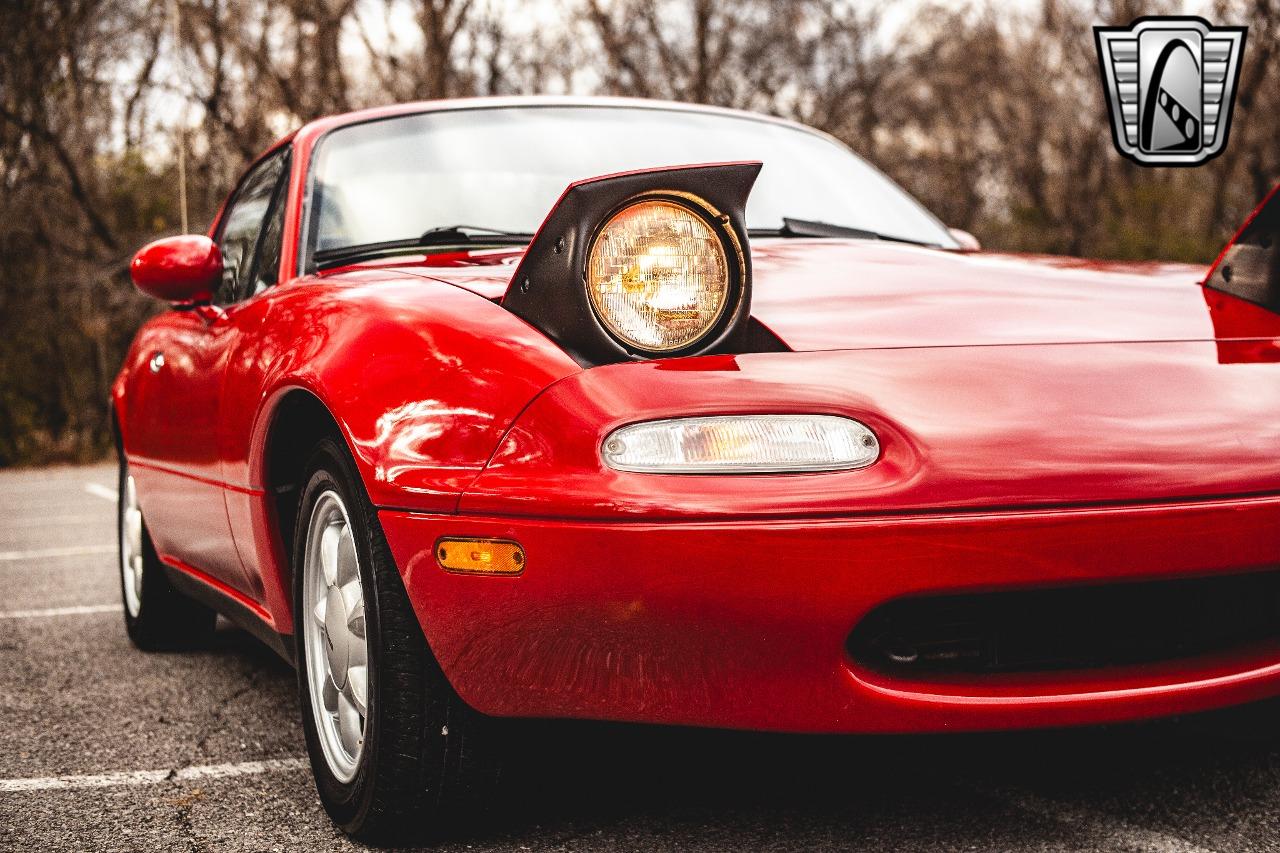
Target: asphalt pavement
point(106, 748)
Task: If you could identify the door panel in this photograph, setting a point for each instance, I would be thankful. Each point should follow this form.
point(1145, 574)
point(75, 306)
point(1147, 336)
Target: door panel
point(175, 448)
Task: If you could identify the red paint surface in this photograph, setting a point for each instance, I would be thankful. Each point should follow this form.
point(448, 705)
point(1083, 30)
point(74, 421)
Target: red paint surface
point(743, 624)
point(1042, 421)
point(959, 428)
point(178, 269)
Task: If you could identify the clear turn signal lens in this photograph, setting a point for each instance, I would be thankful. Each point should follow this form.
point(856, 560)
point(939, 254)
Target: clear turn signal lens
point(742, 444)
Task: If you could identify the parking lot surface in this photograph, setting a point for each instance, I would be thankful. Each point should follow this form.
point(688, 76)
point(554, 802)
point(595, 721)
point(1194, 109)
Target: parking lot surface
point(106, 748)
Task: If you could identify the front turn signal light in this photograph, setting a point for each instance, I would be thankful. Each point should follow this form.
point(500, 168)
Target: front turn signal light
point(480, 556)
point(742, 444)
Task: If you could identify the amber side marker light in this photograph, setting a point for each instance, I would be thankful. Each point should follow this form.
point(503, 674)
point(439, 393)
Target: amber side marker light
point(480, 556)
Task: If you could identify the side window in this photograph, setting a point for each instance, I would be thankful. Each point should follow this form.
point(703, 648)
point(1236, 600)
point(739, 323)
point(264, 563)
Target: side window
point(266, 266)
point(242, 226)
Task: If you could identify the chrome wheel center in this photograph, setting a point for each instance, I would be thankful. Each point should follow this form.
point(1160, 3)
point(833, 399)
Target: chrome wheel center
point(336, 649)
point(131, 547)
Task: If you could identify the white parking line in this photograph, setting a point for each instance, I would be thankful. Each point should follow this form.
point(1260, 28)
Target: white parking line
point(100, 491)
point(78, 610)
point(55, 520)
point(42, 553)
point(151, 777)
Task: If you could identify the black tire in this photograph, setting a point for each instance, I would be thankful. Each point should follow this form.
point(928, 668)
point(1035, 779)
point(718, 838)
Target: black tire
point(428, 762)
point(166, 619)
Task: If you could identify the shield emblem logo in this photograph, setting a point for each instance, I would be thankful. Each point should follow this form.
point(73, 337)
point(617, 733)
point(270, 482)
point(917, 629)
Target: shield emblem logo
point(1170, 84)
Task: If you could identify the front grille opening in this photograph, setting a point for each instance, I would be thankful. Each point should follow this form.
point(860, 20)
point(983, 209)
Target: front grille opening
point(1086, 627)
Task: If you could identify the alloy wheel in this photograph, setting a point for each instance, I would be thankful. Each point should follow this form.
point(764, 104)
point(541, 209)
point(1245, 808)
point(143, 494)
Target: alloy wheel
point(337, 651)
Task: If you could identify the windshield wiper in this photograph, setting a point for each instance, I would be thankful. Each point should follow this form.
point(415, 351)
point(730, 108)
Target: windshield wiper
point(443, 236)
point(452, 234)
point(813, 228)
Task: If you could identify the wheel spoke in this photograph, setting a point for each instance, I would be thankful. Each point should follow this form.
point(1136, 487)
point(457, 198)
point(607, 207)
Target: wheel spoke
point(348, 569)
point(357, 647)
point(352, 596)
point(357, 689)
point(318, 612)
point(329, 553)
point(357, 651)
point(330, 696)
point(350, 727)
point(355, 621)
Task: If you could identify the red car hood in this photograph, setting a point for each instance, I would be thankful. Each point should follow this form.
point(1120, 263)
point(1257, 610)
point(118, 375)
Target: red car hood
point(843, 295)
point(851, 294)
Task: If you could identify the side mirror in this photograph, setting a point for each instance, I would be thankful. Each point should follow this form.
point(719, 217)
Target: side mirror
point(968, 242)
point(183, 269)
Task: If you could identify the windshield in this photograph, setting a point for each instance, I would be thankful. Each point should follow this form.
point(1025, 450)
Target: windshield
point(504, 168)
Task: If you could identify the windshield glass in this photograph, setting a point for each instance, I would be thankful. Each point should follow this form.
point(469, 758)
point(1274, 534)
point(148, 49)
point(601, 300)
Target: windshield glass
point(504, 168)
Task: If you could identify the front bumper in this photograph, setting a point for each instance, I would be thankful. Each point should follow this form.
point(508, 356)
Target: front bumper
point(743, 624)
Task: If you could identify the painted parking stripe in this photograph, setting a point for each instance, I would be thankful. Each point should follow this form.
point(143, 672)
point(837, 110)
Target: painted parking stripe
point(78, 610)
point(18, 510)
point(43, 553)
point(56, 520)
point(151, 777)
point(100, 491)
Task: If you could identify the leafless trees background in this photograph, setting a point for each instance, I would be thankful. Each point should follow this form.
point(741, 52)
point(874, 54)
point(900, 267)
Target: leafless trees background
point(993, 115)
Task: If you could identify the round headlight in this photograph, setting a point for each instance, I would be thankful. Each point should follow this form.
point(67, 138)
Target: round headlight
point(657, 276)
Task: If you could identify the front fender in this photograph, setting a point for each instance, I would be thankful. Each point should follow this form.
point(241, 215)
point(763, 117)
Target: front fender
point(422, 377)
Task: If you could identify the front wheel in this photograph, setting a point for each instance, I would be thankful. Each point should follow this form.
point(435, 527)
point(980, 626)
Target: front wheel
point(384, 729)
point(156, 616)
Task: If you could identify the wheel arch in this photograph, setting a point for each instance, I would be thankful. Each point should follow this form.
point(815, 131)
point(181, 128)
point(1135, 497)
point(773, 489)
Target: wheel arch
point(294, 423)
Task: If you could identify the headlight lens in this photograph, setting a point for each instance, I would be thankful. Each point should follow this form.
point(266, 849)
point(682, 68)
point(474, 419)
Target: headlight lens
point(742, 444)
point(657, 276)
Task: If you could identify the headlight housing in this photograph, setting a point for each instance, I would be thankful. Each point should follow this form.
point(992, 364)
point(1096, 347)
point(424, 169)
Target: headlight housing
point(644, 264)
point(742, 444)
point(658, 275)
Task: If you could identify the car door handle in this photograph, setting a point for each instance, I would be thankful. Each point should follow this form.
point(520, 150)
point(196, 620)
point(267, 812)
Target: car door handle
point(156, 362)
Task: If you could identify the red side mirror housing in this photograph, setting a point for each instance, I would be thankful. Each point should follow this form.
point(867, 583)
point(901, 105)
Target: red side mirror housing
point(184, 269)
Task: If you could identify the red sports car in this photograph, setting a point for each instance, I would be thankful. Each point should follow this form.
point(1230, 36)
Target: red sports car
point(467, 432)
